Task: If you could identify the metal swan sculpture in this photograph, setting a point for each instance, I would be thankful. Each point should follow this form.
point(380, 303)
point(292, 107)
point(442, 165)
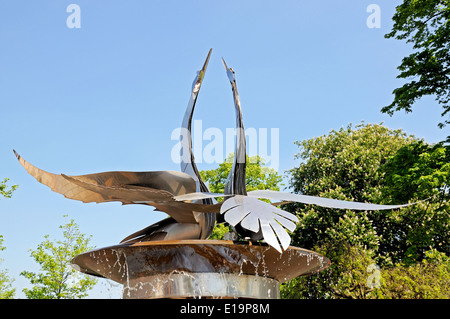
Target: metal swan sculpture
point(192, 209)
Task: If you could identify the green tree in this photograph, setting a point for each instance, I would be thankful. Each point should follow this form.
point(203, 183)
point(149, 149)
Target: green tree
point(345, 279)
point(6, 290)
point(344, 165)
point(425, 24)
point(57, 279)
point(416, 172)
point(258, 176)
point(352, 276)
point(360, 164)
point(428, 279)
point(4, 191)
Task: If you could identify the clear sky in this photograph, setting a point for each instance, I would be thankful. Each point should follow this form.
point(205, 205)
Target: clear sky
point(108, 95)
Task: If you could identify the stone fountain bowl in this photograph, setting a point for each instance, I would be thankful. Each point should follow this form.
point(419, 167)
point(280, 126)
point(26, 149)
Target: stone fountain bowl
point(199, 268)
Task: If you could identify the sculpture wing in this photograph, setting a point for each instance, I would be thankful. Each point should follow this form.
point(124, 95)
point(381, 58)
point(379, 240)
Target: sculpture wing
point(156, 188)
point(59, 184)
point(199, 195)
point(320, 201)
point(163, 184)
point(256, 215)
point(124, 193)
point(305, 199)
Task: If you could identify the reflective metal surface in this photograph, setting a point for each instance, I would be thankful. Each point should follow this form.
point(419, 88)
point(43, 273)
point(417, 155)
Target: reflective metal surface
point(192, 209)
point(259, 215)
point(192, 220)
point(202, 285)
point(206, 221)
point(188, 160)
point(320, 201)
point(236, 183)
point(150, 265)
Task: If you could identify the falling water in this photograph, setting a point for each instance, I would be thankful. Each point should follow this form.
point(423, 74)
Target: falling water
point(200, 269)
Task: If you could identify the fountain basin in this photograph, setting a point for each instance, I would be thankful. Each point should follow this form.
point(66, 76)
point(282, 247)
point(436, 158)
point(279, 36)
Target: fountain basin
point(199, 268)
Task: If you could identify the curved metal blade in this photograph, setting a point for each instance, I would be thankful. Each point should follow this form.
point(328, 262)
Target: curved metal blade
point(166, 229)
point(206, 221)
point(236, 183)
point(150, 188)
point(152, 229)
point(122, 193)
point(199, 195)
point(203, 195)
point(320, 201)
point(170, 183)
point(187, 160)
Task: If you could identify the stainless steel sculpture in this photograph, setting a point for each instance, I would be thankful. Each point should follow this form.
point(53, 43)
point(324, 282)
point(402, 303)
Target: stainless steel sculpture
point(186, 199)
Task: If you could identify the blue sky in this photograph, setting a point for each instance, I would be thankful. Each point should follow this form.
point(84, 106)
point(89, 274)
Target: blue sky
point(108, 95)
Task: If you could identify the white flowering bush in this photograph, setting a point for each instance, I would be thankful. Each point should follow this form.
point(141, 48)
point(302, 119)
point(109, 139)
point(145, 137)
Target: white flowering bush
point(370, 163)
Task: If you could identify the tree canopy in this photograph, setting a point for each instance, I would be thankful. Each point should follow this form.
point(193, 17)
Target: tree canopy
point(4, 190)
point(425, 24)
point(258, 176)
point(368, 163)
point(6, 289)
point(57, 279)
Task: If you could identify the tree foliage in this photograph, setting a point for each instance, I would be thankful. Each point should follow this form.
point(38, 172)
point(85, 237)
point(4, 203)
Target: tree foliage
point(258, 176)
point(425, 24)
point(369, 163)
point(418, 171)
point(343, 165)
point(57, 279)
point(6, 289)
point(4, 190)
point(356, 276)
point(428, 279)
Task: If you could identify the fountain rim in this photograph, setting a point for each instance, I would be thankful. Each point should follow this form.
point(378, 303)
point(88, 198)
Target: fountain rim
point(198, 242)
point(213, 242)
